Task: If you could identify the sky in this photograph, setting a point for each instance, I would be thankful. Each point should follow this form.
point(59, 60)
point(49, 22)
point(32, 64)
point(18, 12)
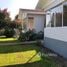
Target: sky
point(13, 6)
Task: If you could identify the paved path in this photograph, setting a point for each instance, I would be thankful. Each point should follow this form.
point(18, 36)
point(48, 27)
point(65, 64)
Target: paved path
point(16, 43)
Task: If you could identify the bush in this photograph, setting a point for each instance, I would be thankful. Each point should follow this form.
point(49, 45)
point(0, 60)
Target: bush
point(40, 35)
point(27, 36)
point(31, 36)
point(22, 37)
point(9, 32)
point(2, 32)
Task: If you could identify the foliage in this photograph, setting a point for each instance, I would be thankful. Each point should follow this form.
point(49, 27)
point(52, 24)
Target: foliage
point(12, 25)
point(2, 24)
point(7, 24)
point(2, 32)
point(9, 32)
point(40, 35)
point(5, 21)
point(16, 17)
point(4, 18)
point(31, 36)
point(27, 36)
point(22, 37)
point(18, 23)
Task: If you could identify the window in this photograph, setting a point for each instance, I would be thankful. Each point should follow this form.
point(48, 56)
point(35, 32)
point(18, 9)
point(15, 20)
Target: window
point(59, 11)
point(54, 18)
point(58, 19)
point(65, 15)
point(30, 22)
point(45, 21)
point(48, 19)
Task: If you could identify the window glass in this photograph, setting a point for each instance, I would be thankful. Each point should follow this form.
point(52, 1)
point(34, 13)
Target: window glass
point(59, 11)
point(48, 19)
point(45, 21)
point(54, 18)
point(65, 15)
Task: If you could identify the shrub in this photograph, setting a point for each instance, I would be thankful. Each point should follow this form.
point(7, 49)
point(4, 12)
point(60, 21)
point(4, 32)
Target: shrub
point(31, 36)
point(9, 32)
point(2, 32)
point(22, 37)
point(40, 35)
point(27, 36)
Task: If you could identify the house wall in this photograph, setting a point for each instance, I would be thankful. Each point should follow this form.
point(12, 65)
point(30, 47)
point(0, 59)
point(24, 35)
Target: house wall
point(30, 23)
point(38, 15)
point(56, 39)
point(38, 22)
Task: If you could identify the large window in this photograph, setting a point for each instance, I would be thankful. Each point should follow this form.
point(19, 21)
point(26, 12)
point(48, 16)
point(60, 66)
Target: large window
point(59, 11)
point(58, 19)
point(54, 19)
point(48, 20)
point(65, 15)
point(30, 22)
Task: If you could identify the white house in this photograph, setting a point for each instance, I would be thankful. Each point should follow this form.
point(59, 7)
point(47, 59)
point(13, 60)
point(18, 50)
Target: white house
point(55, 32)
point(32, 19)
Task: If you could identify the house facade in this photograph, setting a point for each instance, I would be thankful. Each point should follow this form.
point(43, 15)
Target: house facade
point(55, 30)
point(32, 19)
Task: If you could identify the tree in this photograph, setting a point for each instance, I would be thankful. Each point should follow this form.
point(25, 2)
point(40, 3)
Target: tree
point(18, 22)
point(4, 18)
point(16, 17)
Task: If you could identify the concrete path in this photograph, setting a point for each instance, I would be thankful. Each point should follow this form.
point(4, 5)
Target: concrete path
point(16, 43)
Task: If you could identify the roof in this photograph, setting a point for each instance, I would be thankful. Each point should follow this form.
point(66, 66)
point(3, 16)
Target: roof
point(34, 10)
point(40, 4)
point(31, 11)
point(47, 4)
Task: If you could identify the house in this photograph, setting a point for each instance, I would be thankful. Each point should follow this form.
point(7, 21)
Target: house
point(32, 19)
point(55, 31)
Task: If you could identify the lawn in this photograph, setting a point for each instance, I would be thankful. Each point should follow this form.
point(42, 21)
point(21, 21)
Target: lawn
point(24, 56)
point(8, 39)
point(3, 39)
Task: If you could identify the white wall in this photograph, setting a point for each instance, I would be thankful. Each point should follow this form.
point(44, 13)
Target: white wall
point(38, 22)
point(56, 39)
point(59, 33)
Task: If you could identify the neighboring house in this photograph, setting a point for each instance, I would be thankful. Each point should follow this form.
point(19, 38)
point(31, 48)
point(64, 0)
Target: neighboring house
point(32, 19)
point(55, 32)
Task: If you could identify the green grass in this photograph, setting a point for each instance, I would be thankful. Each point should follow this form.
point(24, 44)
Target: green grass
point(3, 39)
point(8, 39)
point(24, 56)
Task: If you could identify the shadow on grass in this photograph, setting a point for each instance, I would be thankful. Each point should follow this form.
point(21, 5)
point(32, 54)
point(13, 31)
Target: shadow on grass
point(17, 48)
point(40, 63)
point(44, 62)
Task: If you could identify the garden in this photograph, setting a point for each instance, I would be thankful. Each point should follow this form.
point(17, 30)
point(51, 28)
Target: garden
point(24, 56)
point(13, 29)
point(21, 55)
